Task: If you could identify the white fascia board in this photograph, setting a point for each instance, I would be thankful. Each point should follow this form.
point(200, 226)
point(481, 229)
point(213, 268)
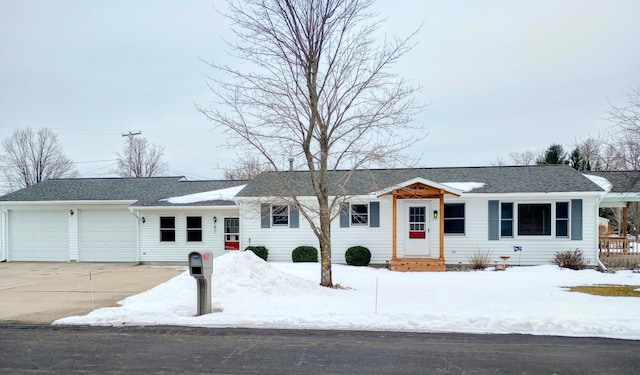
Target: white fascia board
point(182, 208)
point(619, 199)
point(524, 196)
point(65, 203)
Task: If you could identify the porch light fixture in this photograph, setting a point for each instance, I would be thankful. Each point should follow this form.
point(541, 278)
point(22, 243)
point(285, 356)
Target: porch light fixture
point(435, 214)
point(71, 212)
point(143, 220)
point(215, 219)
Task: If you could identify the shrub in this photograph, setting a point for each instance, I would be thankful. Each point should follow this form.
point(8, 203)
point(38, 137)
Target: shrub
point(358, 256)
point(304, 254)
point(260, 251)
point(572, 259)
point(480, 259)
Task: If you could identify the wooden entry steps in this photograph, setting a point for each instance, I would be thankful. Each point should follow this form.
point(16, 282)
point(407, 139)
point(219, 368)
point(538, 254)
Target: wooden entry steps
point(418, 265)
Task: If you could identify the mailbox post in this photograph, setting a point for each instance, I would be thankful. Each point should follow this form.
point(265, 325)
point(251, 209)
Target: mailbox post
point(201, 268)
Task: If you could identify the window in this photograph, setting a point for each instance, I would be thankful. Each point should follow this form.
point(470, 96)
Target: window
point(232, 233)
point(417, 222)
point(454, 218)
point(167, 229)
point(506, 220)
point(280, 214)
point(194, 229)
point(359, 214)
point(534, 219)
point(562, 219)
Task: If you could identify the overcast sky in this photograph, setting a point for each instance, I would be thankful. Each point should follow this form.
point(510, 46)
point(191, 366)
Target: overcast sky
point(498, 76)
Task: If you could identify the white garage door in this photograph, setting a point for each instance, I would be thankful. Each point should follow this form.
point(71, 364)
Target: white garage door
point(106, 236)
point(41, 235)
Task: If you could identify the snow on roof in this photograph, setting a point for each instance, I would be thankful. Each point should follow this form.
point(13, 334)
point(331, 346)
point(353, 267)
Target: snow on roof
point(600, 181)
point(464, 187)
point(214, 195)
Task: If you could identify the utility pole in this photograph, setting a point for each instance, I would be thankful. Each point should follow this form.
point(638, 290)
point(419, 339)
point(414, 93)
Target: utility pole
point(131, 135)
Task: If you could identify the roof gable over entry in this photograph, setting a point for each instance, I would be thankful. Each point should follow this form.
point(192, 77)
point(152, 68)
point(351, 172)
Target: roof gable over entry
point(419, 188)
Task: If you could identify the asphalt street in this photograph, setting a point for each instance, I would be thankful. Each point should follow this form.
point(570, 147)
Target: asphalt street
point(125, 350)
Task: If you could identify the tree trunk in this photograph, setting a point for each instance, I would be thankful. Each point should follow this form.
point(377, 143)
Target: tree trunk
point(325, 248)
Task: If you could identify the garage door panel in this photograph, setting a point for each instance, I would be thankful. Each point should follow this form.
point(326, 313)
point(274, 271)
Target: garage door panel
point(41, 235)
point(106, 236)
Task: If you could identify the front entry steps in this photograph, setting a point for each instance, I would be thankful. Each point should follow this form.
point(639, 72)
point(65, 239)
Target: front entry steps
point(418, 265)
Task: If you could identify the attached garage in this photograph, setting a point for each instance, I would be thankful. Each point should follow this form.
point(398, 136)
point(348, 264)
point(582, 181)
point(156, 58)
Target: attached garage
point(106, 236)
point(99, 220)
point(41, 235)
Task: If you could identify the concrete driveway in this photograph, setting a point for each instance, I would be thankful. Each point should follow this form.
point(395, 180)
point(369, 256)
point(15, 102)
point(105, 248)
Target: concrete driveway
point(43, 292)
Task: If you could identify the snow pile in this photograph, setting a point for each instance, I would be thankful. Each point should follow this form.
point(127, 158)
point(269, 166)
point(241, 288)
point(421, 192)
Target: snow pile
point(223, 195)
point(253, 293)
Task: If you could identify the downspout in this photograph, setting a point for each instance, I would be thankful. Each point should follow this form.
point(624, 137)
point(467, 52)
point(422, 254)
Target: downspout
point(600, 264)
point(137, 215)
point(4, 245)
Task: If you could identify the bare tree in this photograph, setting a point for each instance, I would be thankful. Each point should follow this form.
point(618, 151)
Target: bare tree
point(498, 162)
point(526, 157)
point(140, 159)
point(246, 169)
point(322, 89)
point(32, 156)
point(625, 136)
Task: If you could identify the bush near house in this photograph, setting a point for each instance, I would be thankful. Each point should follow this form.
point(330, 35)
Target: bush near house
point(480, 259)
point(304, 254)
point(357, 256)
point(260, 251)
point(572, 259)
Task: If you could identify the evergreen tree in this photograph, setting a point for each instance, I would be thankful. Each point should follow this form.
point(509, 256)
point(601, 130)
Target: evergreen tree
point(578, 162)
point(555, 154)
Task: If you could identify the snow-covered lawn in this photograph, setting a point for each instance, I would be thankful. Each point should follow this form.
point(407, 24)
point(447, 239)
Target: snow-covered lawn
point(254, 293)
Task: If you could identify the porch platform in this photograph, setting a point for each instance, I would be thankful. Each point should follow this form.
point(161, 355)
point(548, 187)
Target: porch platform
point(418, 265)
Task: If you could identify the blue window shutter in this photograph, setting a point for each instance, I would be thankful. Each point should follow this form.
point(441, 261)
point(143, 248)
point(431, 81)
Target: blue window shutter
point(494, 220)
point(265, 215)
point(344, 215)
point(576, 219)
point(294, 217)
point(374, 214)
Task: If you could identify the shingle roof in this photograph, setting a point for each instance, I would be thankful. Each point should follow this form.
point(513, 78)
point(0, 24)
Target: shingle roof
point(518, 179)
point(151, 191)
point(146, 191)
point(621, 181)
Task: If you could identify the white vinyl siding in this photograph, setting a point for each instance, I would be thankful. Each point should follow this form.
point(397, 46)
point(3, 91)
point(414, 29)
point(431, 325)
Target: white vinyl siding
point(106, 235)
point(154, 250)
point(39, 235)
point(281, 240)
point(536, 250)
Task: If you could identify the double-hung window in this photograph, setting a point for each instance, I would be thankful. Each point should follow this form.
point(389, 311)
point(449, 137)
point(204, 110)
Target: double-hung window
point(280, 214)
point(562, 219)
point(506, 219)
point(194, 228)
point(359, 214)
point(167, 229)
point(454, 218)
